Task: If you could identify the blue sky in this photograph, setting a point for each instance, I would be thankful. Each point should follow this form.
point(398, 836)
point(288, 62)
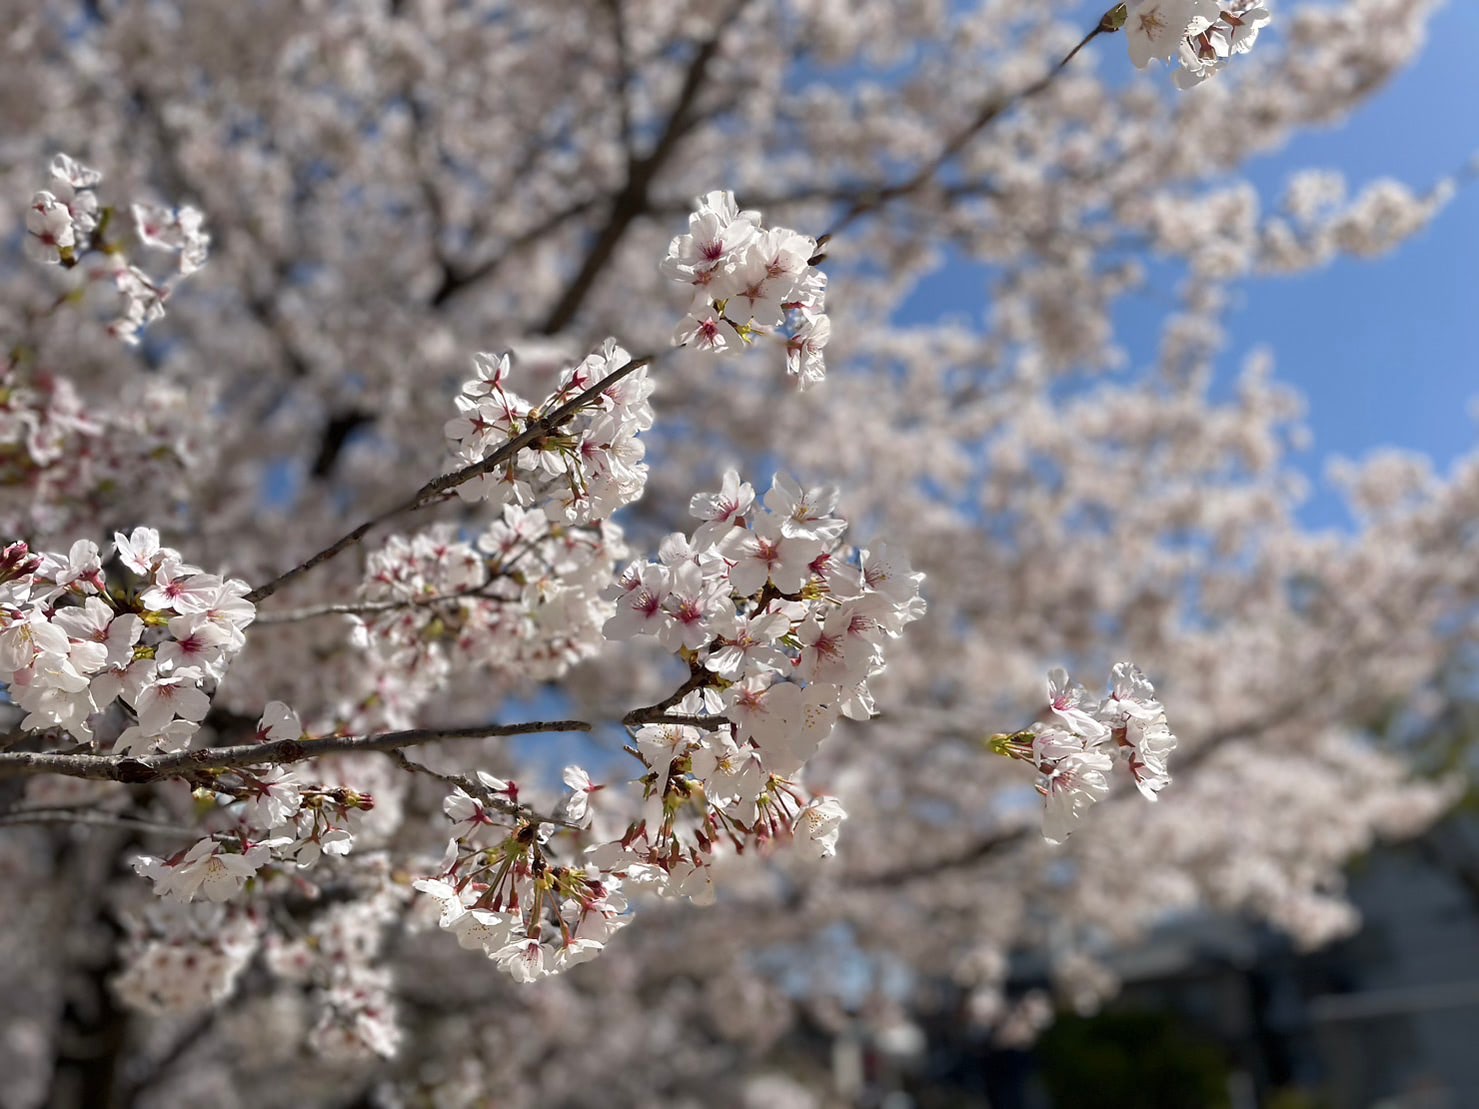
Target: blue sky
point(1384, 349)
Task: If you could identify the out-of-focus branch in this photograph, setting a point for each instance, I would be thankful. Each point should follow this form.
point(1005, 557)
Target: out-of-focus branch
point(455, 280)
point(920, 869)
point(827, 193)
point(622, 51)
point(94, 819)
point(634, 200)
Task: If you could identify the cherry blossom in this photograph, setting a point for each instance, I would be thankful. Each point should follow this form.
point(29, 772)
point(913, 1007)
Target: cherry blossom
point(348, 570)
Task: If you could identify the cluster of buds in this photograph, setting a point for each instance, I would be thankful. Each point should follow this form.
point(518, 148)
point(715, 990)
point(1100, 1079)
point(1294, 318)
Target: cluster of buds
point(1076, 750)
point(581, 472)
point(71, 644)
point(748, 281)
point(1198, 35)
point(707, 794)
point(65, 226)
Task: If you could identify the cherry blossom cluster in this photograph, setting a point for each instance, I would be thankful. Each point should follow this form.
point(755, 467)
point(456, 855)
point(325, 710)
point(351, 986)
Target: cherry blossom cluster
point(217, 870)
point(185, 955)
point(270, 823)
point(584, 471)
point(336, 958)
point(65, 226)
point(707, 795)
point(266, 822)
point(154, 639)
point(501, 892)
point(781, 628)
point(67, 456)
point(183, 958)
point(524, 598)
point(1075, 750)
point(62, 217)
point(1199, 35)
point(750, 281)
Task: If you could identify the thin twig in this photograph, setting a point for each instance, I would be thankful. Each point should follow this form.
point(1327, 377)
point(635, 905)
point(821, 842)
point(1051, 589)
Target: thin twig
point(708, 723)
point(474, 788)
point(184, 764)
point(432, 490)
point(360, 608)
point(1110, 22)
point(992, 108)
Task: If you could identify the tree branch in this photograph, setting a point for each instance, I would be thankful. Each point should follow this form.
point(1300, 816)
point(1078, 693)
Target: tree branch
point(360, 608)
point(698, 678)
point(991, 109)
point(621, 50)
point(537, 429)
point(184, 764)
point(474, 788)
point(708, 723)
point(455, 281)
point(918, 870)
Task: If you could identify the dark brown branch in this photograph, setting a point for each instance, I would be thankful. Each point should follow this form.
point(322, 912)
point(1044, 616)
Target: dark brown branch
point(698, 677)
point(708, 723)
point(184, 764)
